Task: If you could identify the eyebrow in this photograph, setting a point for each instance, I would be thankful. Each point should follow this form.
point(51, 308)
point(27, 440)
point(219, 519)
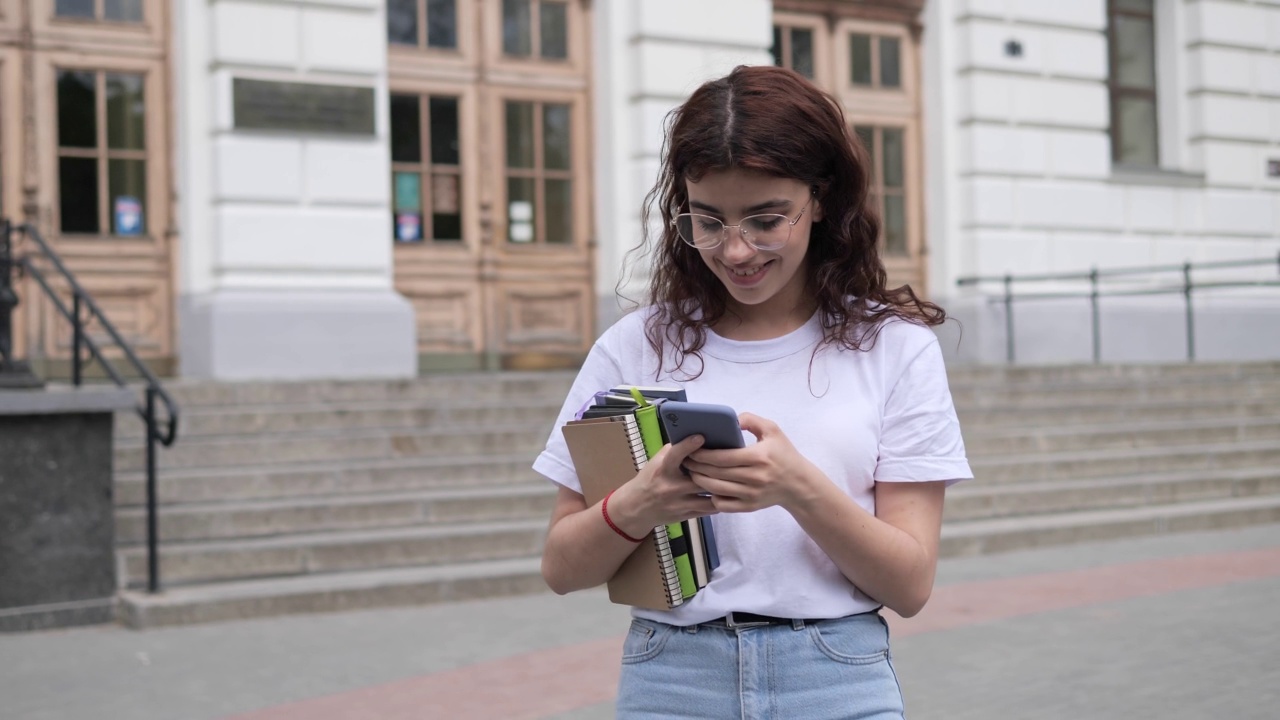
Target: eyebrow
point(775, 203)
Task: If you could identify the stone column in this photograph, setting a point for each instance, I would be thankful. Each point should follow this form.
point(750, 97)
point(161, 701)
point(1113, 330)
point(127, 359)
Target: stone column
point(284, 192)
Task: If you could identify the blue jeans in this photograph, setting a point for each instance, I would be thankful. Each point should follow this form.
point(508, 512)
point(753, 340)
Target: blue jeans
point(809, 670)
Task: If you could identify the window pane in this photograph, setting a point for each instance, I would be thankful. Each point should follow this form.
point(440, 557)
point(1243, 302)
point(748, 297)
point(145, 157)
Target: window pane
point(517, 28)
point(78, 194)
point(895, 225)
point(442, 24)
point(1137, 118)
point(554, 30)
point(893, 173)
point(860, 59)
point(126, 112)
point(444, 130)
point(1142, 6)
point(555, 137)
point(127, 180)
point(519, 134)
point(446, 206)
point(77, 119)
point(402, 22)
point(122, 10)
point(559, 212)
point(406, 126)
point(74, 8)
point(890, 62)
point(520, 207)
point(867, 135)
point(1134, 53)
point(802, 52)
point(776, 49)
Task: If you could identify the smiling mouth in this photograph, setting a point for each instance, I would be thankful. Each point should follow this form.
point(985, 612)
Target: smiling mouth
point(747, 272)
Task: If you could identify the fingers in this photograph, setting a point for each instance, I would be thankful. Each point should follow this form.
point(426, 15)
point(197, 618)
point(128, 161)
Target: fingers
point(756, 425)
point(672, 456)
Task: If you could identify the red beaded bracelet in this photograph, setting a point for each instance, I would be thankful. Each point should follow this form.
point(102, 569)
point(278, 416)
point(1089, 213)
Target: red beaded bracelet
point(604, 510)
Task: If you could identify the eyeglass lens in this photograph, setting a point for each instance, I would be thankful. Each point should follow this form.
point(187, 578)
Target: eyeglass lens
point(766, 232)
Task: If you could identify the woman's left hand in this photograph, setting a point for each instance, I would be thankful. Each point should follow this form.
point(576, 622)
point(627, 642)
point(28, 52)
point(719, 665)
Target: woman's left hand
point(770, 472)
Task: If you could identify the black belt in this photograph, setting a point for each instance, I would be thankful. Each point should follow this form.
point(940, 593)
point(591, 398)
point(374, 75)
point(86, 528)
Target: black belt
point(746, 619)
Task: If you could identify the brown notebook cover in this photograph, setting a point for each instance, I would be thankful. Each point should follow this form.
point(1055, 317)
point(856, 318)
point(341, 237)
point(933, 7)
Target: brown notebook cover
point(605, 457)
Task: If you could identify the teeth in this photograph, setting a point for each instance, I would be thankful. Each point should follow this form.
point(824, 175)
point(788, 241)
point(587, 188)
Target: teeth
point(746, 273)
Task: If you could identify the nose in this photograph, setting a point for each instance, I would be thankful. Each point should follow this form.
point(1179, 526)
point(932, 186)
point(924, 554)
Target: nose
point(735, 250)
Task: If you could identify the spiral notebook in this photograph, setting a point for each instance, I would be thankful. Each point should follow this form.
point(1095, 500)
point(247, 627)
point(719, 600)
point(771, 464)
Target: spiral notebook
point(607, 452)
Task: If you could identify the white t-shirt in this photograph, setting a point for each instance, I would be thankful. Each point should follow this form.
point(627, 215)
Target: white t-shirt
point(883, 415)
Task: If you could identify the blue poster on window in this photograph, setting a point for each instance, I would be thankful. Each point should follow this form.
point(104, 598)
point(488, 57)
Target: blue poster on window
point(128, 215)
point(408, 227)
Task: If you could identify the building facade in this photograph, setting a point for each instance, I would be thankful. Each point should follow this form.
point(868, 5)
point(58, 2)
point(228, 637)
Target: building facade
point(373, 188)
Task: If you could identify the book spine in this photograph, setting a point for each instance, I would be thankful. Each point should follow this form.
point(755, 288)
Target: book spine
point(651, 435)
point(684, 570)
point(671, 580)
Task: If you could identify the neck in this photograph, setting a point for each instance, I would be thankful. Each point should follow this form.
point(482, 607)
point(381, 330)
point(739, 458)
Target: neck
point(765, 321)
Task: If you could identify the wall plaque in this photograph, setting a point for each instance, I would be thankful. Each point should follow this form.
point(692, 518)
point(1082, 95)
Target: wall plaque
point(302, 107)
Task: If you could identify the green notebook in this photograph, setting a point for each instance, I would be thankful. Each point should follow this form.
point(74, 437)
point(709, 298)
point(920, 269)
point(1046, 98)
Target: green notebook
point(651, 434)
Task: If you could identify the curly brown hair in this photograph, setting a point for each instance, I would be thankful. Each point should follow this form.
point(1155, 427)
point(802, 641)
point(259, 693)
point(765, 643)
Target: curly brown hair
point(772, 120)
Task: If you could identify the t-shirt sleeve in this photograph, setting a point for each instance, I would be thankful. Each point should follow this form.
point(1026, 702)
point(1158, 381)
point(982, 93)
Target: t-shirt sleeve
point(920, 437)
point(600, 371)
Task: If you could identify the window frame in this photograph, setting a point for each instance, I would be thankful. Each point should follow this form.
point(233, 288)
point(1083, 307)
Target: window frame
point(427, 169)
point(900, 100)
point(877, 187)
point(1115, 91)
point(535, 33)
point(102, 153)
point(822, 70)
point(561, 72)
point(539, 173)
point(422, 45)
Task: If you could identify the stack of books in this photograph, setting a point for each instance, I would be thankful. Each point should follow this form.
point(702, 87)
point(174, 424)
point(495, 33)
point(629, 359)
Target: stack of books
point(611, 440)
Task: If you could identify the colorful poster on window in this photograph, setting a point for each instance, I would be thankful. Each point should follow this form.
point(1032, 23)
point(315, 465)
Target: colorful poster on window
point(408, 188)
point(128, 215)
point(408, 227)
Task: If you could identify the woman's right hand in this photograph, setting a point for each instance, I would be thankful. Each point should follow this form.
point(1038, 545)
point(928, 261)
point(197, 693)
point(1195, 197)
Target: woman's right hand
point(660, 493)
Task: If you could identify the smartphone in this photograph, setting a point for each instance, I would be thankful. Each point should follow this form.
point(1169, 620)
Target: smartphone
point(717, 424)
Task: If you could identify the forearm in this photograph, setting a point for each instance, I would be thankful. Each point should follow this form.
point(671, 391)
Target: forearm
point(883, 561)
point(582, 551)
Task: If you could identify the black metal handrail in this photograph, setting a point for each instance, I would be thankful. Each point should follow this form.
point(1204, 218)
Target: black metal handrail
point(84, 310)
point(1095, 292)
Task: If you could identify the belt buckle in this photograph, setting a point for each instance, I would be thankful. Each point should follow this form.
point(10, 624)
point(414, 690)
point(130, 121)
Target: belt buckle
point(732, 622)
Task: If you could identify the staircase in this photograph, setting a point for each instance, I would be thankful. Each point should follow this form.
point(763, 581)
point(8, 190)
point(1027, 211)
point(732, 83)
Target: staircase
point(315, 496)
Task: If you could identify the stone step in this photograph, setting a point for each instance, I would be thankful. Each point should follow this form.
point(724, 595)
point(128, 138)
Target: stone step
point(265, 518)
point(304, 554)
point(257, 420)
point(1090, 373)
point(979, 537)
point(303, 480)
point(338, 446)
point(358, 589)
point(435, 388)
point(1092, 413)
point(1078, 464)
point(1111, 394)
point(362, 589)
point(972, 501)
point(1009, 441)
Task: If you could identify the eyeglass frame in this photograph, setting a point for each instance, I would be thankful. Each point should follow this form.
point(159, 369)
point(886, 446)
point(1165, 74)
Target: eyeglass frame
point(724, 227)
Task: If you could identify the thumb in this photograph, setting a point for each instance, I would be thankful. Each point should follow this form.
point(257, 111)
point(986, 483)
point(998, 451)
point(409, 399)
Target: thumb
point(756, 425)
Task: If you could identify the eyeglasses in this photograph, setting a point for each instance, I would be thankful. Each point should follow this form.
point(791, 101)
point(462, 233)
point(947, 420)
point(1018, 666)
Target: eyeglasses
point(762, 232)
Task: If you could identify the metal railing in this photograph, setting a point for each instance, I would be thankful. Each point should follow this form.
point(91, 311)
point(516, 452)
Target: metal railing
point(1186, 286)
point(83, 311)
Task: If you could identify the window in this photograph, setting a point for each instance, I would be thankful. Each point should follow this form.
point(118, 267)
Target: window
point(1132, 82)
point(426, 169)
point(535, 28)
point(117, 10)
point(887, 147)
point(102, 154)
point(423, 23)
point(793, 48)
point(875, 61)
point(539, 173)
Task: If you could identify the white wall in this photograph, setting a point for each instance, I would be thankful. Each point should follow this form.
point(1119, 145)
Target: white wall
point(1021, 179)
point(648, 64)
point(287, 266)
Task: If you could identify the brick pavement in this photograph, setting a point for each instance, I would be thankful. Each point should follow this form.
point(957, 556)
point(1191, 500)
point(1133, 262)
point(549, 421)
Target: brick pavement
point(1177, 626)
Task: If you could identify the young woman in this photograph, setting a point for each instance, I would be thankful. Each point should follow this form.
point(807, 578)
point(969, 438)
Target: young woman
point(768, 294)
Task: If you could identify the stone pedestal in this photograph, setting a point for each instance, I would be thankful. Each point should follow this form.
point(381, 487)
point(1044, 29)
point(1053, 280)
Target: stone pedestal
point(57, 557)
